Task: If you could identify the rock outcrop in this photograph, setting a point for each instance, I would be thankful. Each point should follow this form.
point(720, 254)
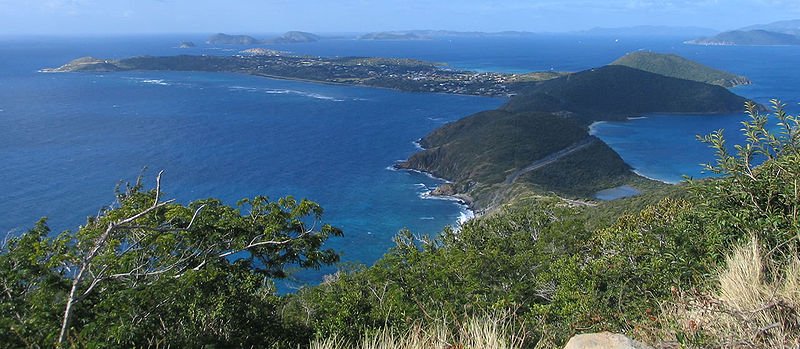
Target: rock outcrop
point(604, 340)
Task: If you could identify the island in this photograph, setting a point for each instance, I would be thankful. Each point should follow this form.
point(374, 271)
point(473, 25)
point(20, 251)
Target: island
point(678, 67)
point(294, 37)
point(756, 37)
point(393, 36)
point(434, 34)
point(187, 44)
point(537, 143)
point(225, 39)
point(402, 74)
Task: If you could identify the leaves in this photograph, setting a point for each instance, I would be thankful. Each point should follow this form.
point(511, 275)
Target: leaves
point(204, 269)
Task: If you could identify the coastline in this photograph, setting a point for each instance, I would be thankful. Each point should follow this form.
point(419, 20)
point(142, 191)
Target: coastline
point(468, 210)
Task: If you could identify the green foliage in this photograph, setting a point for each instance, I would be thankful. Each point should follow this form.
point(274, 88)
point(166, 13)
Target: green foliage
point(503, 262)
point(599, 168)
point(758, 194)
point(31, 287)
point(152, 272)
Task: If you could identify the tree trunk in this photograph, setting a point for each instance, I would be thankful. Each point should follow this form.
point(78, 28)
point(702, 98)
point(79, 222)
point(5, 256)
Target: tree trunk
point(69, 309)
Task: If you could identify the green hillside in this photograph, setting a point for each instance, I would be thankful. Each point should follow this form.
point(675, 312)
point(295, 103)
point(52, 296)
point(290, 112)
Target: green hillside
point(486, 155)
point(615, 92)
point(678, 67)
point(538, 143)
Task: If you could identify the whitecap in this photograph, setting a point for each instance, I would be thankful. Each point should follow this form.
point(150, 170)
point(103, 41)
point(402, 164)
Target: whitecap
point(636, 171)
point(593, 127)
point(242, 88)
point(427, 218)
point(155, 82)
point(465, 216)
point(636, 117)
point(304, 94)
point(278, 92)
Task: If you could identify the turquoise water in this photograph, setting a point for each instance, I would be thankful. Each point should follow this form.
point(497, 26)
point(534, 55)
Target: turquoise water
point(67, 139)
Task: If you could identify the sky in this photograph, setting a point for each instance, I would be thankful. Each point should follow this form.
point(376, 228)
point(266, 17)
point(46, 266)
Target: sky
point(100, 17)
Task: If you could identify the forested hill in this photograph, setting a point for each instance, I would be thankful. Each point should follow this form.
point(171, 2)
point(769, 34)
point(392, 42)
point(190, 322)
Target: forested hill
point(539, 141)
point(678, 67)
point(615, 92)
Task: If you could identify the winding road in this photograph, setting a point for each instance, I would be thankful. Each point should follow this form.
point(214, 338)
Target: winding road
point(547, 160)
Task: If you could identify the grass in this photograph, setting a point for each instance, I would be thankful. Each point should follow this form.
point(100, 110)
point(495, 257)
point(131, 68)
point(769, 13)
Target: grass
point(474, 333)
point(756, 305)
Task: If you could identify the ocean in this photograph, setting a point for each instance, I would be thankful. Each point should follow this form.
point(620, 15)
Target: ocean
point(66, 140)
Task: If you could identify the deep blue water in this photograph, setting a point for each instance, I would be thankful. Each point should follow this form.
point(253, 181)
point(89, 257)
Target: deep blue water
point(67, 139)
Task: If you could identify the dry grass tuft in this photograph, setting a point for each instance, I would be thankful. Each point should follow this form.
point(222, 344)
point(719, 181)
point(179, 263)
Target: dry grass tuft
point(757, 305)
point(475, 333)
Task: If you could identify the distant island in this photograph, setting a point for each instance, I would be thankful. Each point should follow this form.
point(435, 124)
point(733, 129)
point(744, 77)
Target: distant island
point(292, 37)
point(783, 33)
point(186, 44)
point(402, 74)
point(678, 67)
point(434, 34)
point(225, 39)
point(749, 38)
point(394, 36)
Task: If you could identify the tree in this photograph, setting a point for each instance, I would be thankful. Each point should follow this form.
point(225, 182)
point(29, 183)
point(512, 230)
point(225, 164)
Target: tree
point(759, 194)
point(145, 242)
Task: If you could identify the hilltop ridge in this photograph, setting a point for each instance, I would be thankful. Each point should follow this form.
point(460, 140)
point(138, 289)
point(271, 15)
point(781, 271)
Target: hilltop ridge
point(678, 67)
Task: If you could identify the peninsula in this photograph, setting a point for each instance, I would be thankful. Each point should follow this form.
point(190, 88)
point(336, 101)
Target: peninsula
point(538, 143)
point(402, 74)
